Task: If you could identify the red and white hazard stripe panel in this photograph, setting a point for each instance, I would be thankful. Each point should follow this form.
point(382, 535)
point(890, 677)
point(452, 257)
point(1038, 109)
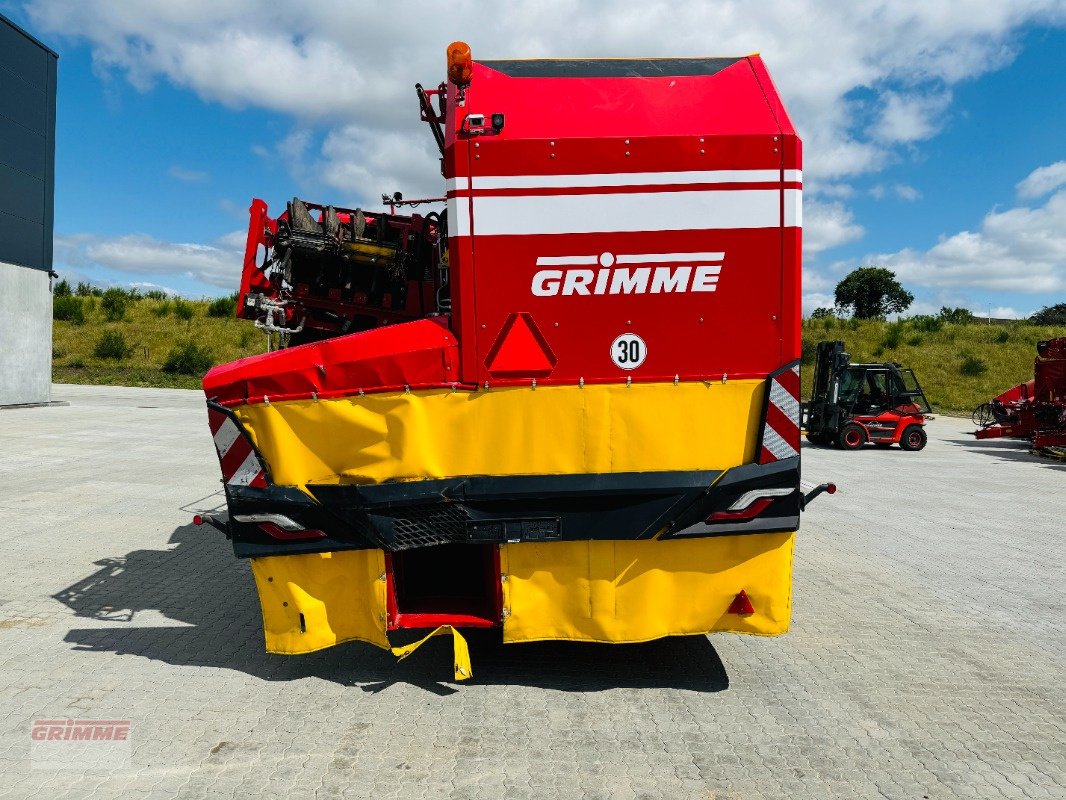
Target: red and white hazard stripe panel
point(239, 462)
point(781, 432)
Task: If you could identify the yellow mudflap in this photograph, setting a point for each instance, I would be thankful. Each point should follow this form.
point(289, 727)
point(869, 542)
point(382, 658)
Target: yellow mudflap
point(634, 591)
point(604, 591)
point(315, 601)
point(318, 600)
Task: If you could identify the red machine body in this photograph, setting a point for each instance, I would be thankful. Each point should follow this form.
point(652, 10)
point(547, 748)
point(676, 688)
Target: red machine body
point(581, 206)
point(637, 218)
point(1035, 409)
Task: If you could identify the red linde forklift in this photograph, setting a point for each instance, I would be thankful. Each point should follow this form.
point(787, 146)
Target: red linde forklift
point(853, 404)
point(565, 406)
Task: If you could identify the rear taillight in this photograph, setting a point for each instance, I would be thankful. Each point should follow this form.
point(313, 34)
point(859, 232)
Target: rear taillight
point(749, 505)
point(278, 526)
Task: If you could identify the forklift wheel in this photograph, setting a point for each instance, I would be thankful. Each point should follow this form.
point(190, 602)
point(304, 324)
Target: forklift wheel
point(913, 438)
point(817, 438)
point(852, 436)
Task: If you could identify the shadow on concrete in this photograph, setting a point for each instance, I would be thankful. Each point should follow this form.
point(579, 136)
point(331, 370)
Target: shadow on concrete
point(1014, 450)
point(866, 448)
point(199, 583)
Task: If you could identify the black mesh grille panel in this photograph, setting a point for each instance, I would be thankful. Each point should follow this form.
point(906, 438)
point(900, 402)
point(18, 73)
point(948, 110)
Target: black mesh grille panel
point(421, 527)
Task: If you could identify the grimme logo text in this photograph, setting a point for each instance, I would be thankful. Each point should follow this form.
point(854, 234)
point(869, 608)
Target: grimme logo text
point(80, 730)
point(647, 273)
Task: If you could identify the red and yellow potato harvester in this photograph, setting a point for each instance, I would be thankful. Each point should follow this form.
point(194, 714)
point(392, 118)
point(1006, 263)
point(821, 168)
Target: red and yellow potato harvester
point(566, 406)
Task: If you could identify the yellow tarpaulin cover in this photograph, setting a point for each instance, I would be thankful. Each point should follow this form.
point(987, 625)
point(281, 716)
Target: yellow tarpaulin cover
point(605, 591)
point(553, 430)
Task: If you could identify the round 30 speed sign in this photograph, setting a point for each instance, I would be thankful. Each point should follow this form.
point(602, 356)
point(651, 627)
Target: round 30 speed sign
point(628, 351)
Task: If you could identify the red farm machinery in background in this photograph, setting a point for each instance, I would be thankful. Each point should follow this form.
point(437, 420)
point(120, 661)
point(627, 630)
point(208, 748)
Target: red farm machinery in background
point(1034, 410)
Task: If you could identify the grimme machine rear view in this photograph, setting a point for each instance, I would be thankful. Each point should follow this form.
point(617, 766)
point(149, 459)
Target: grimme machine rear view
point(563, 402)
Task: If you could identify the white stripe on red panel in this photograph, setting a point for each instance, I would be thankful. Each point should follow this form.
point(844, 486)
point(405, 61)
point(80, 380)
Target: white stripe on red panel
point(237, 458)
point(490, 182)
point(226, 435)
point(777, 446)
point(793, 208)
point(247, 472)
point(499, 215)
point(479, 182)
point(784, 401)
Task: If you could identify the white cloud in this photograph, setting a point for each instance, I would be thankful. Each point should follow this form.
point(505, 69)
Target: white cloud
point(827, 225)
point(187, 175)
point(816, 280)
point(1018, 250)
point(910, 118)
point(901, 190)
point(1042, 180)
point(908, 193)
point(813, 300)
point(1005, 312)
point(324, 62)
point(815, 188)
point(148, 286)
point(363, 164)
point(863, 82)
point(217, 264)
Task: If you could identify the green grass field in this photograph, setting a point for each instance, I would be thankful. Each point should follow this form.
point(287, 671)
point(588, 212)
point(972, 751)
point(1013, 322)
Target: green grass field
point(959, 366)
point(150, 335)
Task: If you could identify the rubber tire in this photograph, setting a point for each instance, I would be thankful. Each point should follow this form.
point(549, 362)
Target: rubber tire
point(851, 437)
point(913, 438)
point(818, 438)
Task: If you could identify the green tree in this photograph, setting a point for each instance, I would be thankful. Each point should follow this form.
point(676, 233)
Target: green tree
point(114, 304)
point(822, 313)
point(960, 315)
point(1050, 315)
point(113, 345)
point(871, 293)
point(223, 306)
point(68, 309)
point(189, 358)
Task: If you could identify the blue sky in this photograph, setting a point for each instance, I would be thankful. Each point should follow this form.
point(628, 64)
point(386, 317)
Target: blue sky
point(933, 131)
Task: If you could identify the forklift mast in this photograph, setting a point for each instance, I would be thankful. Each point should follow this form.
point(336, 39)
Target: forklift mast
point(822, 413)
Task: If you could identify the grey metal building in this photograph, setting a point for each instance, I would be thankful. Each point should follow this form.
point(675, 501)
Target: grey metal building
point(27, 185)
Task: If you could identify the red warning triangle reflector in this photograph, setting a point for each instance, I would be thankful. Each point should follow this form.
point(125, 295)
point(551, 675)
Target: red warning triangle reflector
point(520, 349)
point(741, 605)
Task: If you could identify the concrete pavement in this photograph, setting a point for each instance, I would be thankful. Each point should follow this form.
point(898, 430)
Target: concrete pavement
point(927, 656)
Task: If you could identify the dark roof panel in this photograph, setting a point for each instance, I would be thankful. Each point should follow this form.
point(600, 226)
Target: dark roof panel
point(611, 67)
